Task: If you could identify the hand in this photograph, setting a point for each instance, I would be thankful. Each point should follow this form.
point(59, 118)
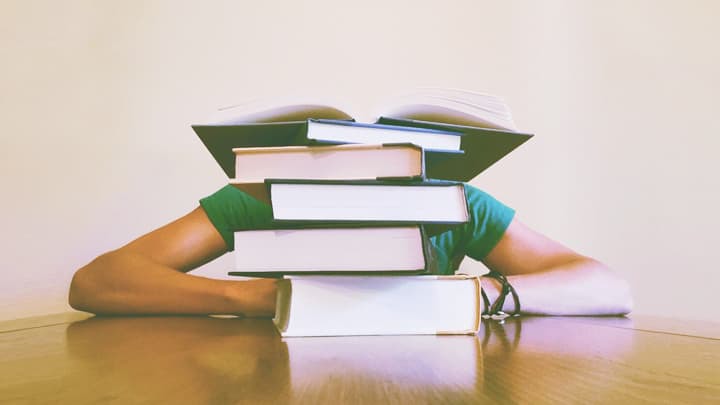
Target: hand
point(254, 298)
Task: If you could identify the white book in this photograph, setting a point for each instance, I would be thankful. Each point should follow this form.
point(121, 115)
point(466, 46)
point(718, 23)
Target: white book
point(426, 201)
point(377, 305)
point(339, 131)
point(337, 162)
point(331, 250)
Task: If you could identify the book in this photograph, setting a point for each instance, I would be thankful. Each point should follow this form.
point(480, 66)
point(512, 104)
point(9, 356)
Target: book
point(343, 131)
point(377, 305)
point(367, 201)
point(277, 252)
point(488, 131)
point(338, 162)
point(462, 107)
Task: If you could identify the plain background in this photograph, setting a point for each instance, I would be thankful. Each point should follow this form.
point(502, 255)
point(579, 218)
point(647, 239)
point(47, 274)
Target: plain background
point(97, 98)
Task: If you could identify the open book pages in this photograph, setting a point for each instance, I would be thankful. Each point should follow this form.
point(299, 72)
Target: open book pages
point(280, 109)
point(453, 106)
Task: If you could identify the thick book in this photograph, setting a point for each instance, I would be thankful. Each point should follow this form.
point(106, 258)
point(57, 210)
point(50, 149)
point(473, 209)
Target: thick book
point(348, 250)
point(488, 133)
point(337, 162)
point(430, 201)
point(377, 305)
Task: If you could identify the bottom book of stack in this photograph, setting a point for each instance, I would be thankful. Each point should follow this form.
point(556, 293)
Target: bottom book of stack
point(349, 305)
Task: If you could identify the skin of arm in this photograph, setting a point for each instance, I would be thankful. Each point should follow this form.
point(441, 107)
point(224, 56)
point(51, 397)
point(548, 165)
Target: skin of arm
point(551, 279)
point(147, 276)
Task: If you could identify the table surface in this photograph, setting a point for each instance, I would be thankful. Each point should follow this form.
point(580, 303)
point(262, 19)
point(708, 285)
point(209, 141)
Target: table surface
point(73, 358)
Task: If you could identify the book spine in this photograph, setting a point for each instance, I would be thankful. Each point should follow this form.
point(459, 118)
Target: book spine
point(301, 137)
point(429, 253)
point(478, 310)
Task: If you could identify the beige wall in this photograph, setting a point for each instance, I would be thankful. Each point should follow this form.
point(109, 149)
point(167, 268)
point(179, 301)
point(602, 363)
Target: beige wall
point(96, 99)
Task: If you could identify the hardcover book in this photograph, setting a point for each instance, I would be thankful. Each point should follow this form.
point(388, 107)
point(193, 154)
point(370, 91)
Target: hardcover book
point(337, 162)
point(377, 305)
point(343, 131)
point(431, 201)
point(355, 250)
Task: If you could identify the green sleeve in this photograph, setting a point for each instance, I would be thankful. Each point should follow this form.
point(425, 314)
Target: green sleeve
point(230, 210)
point(489, 218)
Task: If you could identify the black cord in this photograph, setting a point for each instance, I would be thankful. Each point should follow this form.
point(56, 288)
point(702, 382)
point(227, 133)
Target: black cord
point(496, 307)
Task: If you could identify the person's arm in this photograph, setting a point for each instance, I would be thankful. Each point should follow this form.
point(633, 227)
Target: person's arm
point(147, 276)
point(551, 279)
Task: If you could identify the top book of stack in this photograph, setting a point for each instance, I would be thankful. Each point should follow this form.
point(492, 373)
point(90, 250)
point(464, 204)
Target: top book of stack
point(462, 133)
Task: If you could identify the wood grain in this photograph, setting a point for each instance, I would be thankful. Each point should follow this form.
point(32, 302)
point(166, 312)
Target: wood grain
point(209, 360)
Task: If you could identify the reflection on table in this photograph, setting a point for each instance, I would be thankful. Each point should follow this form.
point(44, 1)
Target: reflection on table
point(212, 360)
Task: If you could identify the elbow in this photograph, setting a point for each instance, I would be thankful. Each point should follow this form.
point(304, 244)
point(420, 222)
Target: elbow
point(605, 292)
point(84, 290)
point(79, 293)
point(617, 293)
point(624, 299)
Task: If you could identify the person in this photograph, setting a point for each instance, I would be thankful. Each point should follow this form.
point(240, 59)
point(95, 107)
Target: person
point(149, 275)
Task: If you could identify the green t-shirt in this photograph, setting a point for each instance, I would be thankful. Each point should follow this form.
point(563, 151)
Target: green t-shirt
point(230, 210)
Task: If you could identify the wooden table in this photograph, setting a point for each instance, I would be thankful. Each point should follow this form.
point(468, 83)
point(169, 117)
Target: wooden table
point(67, 359)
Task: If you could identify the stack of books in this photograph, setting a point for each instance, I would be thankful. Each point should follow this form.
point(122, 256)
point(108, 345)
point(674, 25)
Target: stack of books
point(354, 205)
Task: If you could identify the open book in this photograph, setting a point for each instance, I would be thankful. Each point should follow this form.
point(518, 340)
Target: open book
point(484, 121)
point(454, 106)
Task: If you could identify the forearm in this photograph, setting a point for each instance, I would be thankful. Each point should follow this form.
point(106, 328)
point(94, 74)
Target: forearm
point(580, 287)
point(124, 283)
